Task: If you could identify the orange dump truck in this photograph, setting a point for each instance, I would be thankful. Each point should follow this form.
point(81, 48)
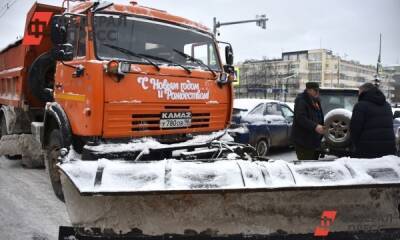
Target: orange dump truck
point(129, 106)
point(101, 72)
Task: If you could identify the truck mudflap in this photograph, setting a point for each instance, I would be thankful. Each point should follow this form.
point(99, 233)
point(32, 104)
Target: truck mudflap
point(234, 197)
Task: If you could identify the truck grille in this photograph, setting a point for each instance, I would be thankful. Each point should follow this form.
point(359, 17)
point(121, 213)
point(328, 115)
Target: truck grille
point(131, 120)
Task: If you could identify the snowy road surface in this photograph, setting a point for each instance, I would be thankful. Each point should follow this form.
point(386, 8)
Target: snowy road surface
point(287, 154)
point(28, 207)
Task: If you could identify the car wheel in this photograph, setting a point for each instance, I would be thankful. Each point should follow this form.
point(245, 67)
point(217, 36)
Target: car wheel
point(262, 147)
point(337, 122)
point(52, 154)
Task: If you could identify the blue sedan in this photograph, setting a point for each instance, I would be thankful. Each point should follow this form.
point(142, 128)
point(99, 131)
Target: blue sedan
point(269, 124)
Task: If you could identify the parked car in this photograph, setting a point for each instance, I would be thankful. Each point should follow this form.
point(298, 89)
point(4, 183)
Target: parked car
point(242, 106)
point(268, 124)
point(396, 112)
point(290, 105)
point(338, 106)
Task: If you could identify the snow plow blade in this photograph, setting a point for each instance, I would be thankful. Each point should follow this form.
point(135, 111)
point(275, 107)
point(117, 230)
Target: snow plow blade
point(234, 197)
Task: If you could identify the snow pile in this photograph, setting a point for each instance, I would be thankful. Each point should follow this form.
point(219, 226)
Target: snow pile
point(145, 144)
point(140, 176)
point(172, 175)
point(195, 175)
point(262, 120)
point(82, 173)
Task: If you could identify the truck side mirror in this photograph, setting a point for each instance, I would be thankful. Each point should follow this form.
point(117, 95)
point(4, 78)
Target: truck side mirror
point(229, 55)
point(63, 52)
point(58, 30)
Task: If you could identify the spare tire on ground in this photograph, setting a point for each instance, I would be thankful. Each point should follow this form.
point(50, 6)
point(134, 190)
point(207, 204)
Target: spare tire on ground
point(41, 77)
point(337, 122)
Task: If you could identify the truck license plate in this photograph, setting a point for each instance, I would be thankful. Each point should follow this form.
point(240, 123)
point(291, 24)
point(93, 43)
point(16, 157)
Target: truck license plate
point(175, 119)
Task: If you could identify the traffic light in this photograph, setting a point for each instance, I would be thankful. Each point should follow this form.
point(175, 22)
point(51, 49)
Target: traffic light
point(262, 21)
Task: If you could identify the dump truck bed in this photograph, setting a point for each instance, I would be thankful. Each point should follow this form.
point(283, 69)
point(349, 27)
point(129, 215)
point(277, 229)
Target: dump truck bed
point(15, 61)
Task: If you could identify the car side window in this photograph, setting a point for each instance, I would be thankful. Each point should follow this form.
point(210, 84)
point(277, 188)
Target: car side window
point(272, 109)
point(287, 112)
point(258, 110)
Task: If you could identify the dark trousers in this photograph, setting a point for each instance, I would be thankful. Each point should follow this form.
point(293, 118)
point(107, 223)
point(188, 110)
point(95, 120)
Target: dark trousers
point(306, 154)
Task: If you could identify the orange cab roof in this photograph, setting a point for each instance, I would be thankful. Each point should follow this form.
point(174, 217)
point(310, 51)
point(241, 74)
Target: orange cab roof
point(135, 9)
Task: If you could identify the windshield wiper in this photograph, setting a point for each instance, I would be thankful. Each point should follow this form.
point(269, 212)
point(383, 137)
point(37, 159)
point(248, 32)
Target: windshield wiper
point(129, 52)
point(195, 60)
point(168, 61)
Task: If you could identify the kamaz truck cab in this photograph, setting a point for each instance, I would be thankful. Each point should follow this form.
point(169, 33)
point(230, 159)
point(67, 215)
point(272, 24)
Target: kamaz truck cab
point(106, 73)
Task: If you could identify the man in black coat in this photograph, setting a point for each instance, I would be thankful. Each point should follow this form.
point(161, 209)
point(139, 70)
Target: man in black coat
point(371, 126)
point(308, 123)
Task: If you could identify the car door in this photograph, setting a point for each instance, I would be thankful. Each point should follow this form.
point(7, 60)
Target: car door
point(256, 124)
point(276, 124)
point(288, 114)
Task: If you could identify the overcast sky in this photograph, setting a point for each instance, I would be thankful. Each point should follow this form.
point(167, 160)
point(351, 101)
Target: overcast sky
point(348, 27)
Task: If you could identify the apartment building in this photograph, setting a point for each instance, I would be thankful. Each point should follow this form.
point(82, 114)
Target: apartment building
point(392, 77)
point(283, 78)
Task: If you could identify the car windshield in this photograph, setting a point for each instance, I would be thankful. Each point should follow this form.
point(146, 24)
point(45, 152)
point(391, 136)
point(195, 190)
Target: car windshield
point(330, 101)
point(160, 42)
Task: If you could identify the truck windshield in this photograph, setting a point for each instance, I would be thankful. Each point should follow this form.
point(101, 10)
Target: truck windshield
point(161, 42)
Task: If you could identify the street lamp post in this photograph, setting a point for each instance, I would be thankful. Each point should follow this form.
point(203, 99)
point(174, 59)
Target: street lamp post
point(287, 83)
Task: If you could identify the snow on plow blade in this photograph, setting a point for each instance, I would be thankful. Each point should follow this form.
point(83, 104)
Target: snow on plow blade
point(230, 197)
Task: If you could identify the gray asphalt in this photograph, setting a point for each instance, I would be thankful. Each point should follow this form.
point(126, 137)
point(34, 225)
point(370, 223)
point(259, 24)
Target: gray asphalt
point(28, 207)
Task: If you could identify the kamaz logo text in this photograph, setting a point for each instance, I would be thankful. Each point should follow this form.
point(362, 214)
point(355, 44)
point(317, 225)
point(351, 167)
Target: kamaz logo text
point(176, 115)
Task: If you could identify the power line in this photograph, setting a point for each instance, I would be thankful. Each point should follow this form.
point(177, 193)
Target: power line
point(6, 7)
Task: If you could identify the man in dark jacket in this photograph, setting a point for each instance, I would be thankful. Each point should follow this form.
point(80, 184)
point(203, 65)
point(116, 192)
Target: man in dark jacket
point(308, 123)
point(371, 126)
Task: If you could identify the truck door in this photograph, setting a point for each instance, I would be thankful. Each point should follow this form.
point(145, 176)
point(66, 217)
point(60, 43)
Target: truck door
point(71, 85)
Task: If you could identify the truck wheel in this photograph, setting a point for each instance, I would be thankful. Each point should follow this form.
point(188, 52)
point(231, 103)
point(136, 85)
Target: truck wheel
point(262, 147)
point(3, 127)
point(52, 154)
point(3, 132)
point(337, 122)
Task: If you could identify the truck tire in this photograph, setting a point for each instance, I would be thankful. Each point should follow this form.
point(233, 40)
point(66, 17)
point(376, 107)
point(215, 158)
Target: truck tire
point(3, 132)
point(262, 147)
point(337, 122)
point(52, 153)
point(41, 77)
